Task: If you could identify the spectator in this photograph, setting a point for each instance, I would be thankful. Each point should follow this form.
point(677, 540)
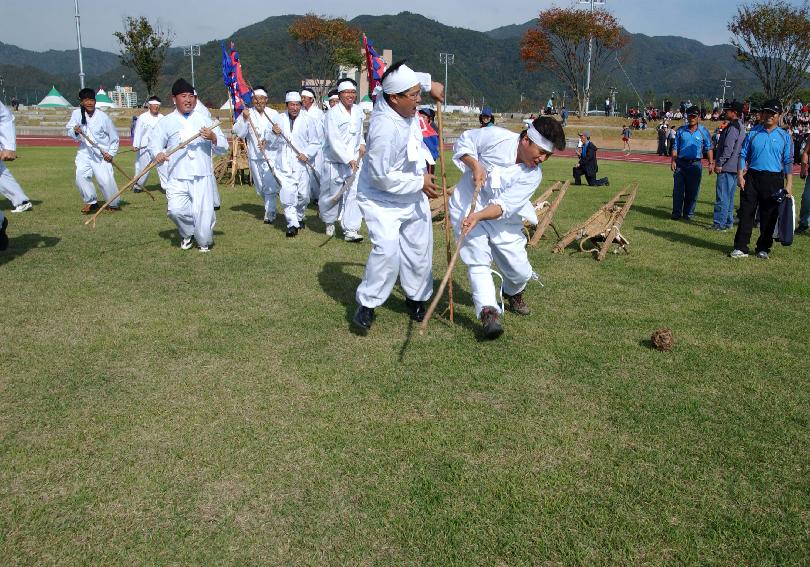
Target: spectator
point(626, 139)
point(662, 140)
point(687, 165)
point(804, 212)
point(728, 160)
point(486, 118)
point(564, 116)
point(671, 133)
point(587, 164)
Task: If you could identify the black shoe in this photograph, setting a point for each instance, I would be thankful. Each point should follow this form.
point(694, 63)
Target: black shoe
point(801, 230)
point(607, 182)
point(491, 320)
point(363, 318)
point(216, 208)
point(301, 225)
point(137, 189)
point(3, 235)
point(292, 232)
point(416, 310)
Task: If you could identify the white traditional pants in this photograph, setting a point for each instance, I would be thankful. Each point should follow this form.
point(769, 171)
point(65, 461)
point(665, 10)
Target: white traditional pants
point(10, 188)
point(89, 166)
point(402, 245)
point(265, 185)
point(344, 207)
point(501, 241)
point(191, 207)
point(142, 161)
point(315, 182)
point(294, 195)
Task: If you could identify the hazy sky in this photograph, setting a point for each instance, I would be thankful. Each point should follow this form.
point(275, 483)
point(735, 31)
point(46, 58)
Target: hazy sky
point(49, 24)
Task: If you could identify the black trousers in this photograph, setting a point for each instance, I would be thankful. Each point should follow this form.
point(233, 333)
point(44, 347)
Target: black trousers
point(759, 186)
point(578, 172)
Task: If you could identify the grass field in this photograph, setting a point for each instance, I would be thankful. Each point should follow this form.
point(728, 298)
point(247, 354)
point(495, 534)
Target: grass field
point(167, 407)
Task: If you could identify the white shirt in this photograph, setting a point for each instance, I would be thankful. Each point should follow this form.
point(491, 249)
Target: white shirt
point(143, 129)
point(195, 159)
point(261, 122)
point(8, 136)
point(99, 128)
point(304, 134)
point(344, 133)
point(509, 185)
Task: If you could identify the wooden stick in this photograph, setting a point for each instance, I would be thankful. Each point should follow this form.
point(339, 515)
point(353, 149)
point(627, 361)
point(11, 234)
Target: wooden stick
point(92, 143)
point(451, 265)
point(146, 170)
point(261, 151)
point(446, 206)
point(293, 148)
point(346, 184)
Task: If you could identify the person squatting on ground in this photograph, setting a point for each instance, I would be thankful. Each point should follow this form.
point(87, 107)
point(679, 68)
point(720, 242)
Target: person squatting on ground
point(94, 161)
point(189, 172)
point(291, 167)
point(766, 166)
point(313, 109)
point(587, 164)
point(8, 152)
point(393, 196)
point(691, 141)
point(258, 154)
point(804, 212)
point(343, 153)
point(140, 140)
point(508, 168)
point(727, 161)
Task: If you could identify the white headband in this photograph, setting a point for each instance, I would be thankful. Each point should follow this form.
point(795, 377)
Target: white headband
point(155, 102)
point(400, 80)
point(307, 92)
point(292, 96)
point(260, 92)
point(334, 97)
point(346, 86)
point(536, 137)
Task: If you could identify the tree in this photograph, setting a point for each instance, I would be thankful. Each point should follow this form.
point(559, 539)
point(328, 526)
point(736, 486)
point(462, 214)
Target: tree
point(325, 45)
point(772, 41)
point(560, 42)
point(143, 48)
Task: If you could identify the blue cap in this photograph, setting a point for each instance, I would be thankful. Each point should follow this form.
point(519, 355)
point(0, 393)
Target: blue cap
point(487, 111)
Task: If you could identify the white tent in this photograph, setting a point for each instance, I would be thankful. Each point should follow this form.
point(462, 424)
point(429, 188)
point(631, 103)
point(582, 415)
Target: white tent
point(103, 100)
point(54, 100)
point(227, 105)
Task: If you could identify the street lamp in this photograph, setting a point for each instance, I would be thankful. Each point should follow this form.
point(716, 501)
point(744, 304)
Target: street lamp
point(79, 40)
point(3, 85)
point(590, 54)
point(192, 51)
point(447, 59)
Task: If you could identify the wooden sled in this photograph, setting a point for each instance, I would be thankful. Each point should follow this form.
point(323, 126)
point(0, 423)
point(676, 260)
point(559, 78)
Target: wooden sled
point(545, 212)
point(233, 166)
point(602, 229)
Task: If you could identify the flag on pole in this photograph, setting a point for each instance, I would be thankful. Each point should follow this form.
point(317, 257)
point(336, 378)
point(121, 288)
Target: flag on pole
point(375, 65)
point(238, 90)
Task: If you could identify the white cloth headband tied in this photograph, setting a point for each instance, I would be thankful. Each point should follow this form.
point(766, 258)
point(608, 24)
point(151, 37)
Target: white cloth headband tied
point(346, 86)
point(536, 137)
point(292, 97)
point(400, 80)
point(307, 92)
point(334, 97)
point(260, 92)
point(155, 102)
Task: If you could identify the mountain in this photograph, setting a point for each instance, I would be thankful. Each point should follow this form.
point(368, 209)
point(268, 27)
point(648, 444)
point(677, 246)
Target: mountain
point(487, 64)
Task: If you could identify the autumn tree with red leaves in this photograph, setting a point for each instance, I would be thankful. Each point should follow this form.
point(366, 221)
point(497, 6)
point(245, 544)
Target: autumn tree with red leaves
point(325, 44)
point(559, 42)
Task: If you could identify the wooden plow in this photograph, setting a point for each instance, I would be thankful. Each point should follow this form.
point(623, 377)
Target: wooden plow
point(602, 230)
point(545, 212)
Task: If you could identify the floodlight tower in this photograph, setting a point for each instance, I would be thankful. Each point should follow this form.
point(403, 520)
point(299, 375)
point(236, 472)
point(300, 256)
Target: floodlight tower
point(79, 40)
point(590, 54)
point(192, 51)
point(447, 59)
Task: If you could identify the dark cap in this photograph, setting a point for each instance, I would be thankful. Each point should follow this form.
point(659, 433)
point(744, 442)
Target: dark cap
point(584, 133)
point(427, 111)
point(487, 111)
point(772, 105)
point(181, 86)
point(693, 111)
point(736, 106)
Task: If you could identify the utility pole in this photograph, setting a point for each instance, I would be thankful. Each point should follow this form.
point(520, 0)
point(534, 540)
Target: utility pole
point(726, 83)
point(79, 39)
point(192, 51)
point(590, 55)
point(613, 92)
point(447, 59)
point(3, 86)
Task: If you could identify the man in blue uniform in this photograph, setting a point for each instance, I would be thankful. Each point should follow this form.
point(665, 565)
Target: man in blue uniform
point(687, 155)
point(765, 168)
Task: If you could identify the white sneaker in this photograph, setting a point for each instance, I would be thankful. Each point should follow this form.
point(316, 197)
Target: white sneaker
point(738, 254)
point(204, 249)
point(330, 230)
point(185, 243)
point(22, 207)
point(352, 236)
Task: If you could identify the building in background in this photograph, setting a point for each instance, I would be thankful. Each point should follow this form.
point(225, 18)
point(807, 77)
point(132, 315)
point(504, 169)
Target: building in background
point(124, 97)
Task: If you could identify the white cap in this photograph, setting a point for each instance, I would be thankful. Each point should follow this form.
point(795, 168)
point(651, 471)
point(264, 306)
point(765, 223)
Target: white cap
point(400, 80)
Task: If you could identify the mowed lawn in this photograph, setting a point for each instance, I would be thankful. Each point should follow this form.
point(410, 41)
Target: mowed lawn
point(168, 407)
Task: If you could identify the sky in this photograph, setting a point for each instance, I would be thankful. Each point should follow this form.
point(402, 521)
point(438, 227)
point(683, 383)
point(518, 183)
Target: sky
point(22, 23)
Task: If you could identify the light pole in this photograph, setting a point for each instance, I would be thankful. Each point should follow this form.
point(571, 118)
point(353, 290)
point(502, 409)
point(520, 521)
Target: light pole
point(192, 51)
point(726, 83)
point(79, 40)
point(447, 59)
point(590, 54)
point(3, 85)
point(613, 92)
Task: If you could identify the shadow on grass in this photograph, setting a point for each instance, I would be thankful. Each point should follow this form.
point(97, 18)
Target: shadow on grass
point(19, 245)
point(686, 239)
point(173, 236)
point(251, 208)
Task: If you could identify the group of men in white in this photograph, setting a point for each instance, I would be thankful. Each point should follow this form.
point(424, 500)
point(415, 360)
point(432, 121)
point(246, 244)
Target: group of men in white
point(306, 154)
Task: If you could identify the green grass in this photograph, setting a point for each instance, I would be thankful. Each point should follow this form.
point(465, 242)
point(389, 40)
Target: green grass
point(169, 407)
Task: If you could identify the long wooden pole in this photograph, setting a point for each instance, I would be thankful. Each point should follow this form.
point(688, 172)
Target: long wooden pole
point(293, 148)
point(452, 264)
point(261, 151)
point(92, 142)
point(446, 199)
point(146, 170)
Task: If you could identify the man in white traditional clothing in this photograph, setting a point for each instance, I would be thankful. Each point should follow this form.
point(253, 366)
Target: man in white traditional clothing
point(94, 158)
point(140, 140)
point(333, 98)
point(251, 126)
point(201, 109)
point(507, 166)
point(314, 111)
point(344, 149)
point(8, 152)
point(393, 196)
point(189, 171)
point(295, 138)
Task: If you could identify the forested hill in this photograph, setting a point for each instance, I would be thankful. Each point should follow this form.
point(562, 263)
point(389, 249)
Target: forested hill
point(487, 64)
